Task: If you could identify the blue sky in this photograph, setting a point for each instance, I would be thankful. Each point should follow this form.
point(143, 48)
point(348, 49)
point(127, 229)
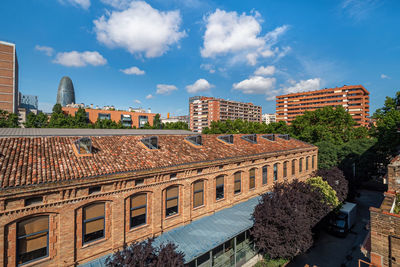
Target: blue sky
point(158, 53)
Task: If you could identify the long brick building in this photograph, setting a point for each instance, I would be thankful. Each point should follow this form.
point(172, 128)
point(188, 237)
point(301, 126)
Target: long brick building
point(385, 222)
point(8, 77)
point(204, 110)
point(354, 98)
point(72, 198)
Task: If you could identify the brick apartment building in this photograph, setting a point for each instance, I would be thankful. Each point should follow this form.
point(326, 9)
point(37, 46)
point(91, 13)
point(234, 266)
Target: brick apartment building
point(71, 200)
point(127, 118)
point(354, 98)
point(8, 77)
point(203, 110)
point(385, 223)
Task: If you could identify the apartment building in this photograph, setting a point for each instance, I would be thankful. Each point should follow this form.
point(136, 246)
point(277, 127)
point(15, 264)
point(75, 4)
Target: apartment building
point(354, 98)
point(204, 110)
point(73, 198)
point(8, 77)
point(268, 118)
point(127, 118)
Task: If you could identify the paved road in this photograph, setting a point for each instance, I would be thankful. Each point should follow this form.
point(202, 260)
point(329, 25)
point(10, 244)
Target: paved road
point(331, 251)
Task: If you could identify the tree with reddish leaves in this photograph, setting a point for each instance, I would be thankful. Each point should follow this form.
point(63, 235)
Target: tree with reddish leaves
point(336, 179)
point(284, 218)
point(144, 254)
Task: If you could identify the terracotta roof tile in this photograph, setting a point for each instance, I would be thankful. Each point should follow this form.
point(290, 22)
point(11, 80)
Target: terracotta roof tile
point(37, 160)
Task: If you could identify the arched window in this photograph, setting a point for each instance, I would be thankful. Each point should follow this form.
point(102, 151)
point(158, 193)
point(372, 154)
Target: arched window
point(252, 178)
point(293, 167)
point(313, 162)
point(275, 172)
point(198, 194)
point(138, 210)
point(301, 165)
point(238, 182)
point(32, 239)
point(285, 169)
point(219, 187)
point(171, 201)
point(93, 222)
point(307, 161)
point(265, 174)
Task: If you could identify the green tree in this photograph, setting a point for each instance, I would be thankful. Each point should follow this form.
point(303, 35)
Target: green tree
point(59, 119)
point(8, 120)
point(80, 119)
point(157, 122)
point(330, 198)
point(36, 121)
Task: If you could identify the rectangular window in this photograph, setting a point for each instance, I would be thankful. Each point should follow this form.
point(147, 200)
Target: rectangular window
point(285, 169)
point(238, 183)
point(313, 162)
point(139, 182)
point(198, 194)
point(138, 210)
point(293, 167)
point(33, 201)
point(32, 239)
point(172, 176)
point(93, 222)
point(275, 172)
point(265, 175)
point(301, 165)
point(172, 200)
point(252, 176)
point(219, 188)
point(94, 190)
point(307, 160)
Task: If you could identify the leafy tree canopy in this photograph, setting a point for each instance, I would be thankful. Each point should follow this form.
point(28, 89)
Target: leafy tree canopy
point(330, 198)
point(8, 120)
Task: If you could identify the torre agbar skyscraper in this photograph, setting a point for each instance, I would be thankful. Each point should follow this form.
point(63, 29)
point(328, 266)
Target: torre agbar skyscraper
point(65, 93)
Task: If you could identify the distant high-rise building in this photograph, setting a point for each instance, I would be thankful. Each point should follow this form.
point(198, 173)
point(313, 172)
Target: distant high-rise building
point(65, 93)
point(268, 118)
point(28, 102)
point(203, 110)
point(354, 98)
point(8, 77)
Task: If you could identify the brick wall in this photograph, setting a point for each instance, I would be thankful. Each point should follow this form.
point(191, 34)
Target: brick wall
point(65, 205)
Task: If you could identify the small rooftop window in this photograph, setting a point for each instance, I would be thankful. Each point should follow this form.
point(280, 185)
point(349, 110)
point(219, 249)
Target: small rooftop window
point(151, 142)
point(270, 137)
point(94, 189)
point(195, 140)
point(226, 138)
point(252, 138)
point(84, 145)
point(284, 136)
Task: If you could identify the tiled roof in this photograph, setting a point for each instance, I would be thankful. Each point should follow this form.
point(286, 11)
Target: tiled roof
point(28, 161)
point(31, 132)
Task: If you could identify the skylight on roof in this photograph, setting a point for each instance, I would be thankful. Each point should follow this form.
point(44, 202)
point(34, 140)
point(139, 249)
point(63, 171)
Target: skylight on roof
point(270, 137)
point(252, 138)
point(84, 145)
point(195, 140)
point(226, 138)
point(151, 142)
point(284, 136)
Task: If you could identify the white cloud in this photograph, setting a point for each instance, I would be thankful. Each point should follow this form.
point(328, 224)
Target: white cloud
point(45, 49)
point(265, 71)
point(85, 4)
point(80, 59)
point(208, 67)
point(255, 85)
point(149, 96)
point(231, 33)
point(359, 9)
point(303, 85)
point(133, 71)
point(384, 76)
point(120, 4)
point(165, 89)
point(201, 85)
point(137, 101)
point(140, 29)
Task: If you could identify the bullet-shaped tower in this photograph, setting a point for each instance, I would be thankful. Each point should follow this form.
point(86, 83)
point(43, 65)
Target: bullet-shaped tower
point(65, 93)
